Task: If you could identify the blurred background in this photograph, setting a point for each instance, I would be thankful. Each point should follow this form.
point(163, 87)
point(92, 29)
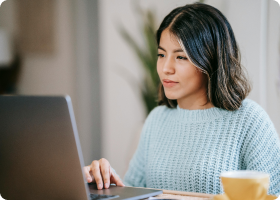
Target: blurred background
point(102, 53)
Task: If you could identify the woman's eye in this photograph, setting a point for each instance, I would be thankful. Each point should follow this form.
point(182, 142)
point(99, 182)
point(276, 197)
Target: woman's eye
point(160, 55)
point(182, 58)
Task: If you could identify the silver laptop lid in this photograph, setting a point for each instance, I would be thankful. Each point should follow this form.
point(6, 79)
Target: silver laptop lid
point(40, 153)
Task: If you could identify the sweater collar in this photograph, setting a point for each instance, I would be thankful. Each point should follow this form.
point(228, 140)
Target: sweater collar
point(202, 115)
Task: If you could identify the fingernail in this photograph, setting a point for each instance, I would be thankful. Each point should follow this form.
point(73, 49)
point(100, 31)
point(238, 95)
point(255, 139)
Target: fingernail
point(106, 185)
point(99, 186)
point(89, 179)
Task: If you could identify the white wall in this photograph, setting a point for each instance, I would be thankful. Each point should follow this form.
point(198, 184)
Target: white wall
point(248, 37)
point(46, 74)
point(7, 16)
point(122, 109)
point(246, 26)
point(52, 74)
point(85, 17)
point(273, 65)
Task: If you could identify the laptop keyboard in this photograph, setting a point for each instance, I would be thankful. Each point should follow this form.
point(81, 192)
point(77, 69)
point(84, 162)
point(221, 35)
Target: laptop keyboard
point(102, 196)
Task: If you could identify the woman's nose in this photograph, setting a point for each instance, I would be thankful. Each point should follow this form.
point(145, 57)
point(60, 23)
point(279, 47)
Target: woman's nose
point(168, 67)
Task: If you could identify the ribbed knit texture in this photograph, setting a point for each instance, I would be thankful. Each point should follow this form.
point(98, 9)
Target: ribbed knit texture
point(187, 150)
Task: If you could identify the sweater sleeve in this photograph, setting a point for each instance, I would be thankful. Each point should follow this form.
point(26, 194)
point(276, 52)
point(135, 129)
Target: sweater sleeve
point(263, 149)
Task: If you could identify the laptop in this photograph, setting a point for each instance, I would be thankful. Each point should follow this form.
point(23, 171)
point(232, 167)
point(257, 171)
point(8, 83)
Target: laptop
point(40, 153)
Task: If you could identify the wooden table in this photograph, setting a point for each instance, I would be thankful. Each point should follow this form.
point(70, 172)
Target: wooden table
point(170, 194)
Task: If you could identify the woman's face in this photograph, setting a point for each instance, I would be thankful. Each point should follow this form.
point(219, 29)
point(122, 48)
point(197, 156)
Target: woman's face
point(172, 64)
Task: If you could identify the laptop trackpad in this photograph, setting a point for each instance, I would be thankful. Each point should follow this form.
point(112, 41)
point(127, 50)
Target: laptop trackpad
point(102, 196)
point(124, 192)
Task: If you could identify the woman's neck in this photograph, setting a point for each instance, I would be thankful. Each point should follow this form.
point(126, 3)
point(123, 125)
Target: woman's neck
point(194, 103)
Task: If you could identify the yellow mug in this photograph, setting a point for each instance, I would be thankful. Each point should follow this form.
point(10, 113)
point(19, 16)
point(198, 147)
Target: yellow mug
point(245, 184)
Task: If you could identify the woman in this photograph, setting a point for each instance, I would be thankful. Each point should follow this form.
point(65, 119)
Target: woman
point(204, 124)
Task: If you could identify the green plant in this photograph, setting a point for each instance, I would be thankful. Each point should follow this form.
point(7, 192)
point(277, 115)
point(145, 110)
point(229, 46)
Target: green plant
point(147, 57)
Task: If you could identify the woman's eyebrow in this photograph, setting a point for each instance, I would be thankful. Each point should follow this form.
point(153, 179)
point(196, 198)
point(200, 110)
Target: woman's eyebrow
point(159, 47)
point(175, 51)
point(178, 50)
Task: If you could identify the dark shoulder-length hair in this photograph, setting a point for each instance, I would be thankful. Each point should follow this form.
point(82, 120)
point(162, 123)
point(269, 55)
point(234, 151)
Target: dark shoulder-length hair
point(208, 40)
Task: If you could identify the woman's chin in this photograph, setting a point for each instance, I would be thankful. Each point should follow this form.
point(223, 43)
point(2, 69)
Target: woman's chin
point(171, 97)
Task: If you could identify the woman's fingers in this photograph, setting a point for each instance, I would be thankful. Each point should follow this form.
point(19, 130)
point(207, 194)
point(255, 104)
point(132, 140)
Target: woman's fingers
point(87, 173)
point(95, 169)
point(115, 179)
point(100, 171)
point(105, 171)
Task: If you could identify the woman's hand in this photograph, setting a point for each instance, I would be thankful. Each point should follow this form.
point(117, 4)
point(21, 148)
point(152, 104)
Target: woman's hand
point(100, 172)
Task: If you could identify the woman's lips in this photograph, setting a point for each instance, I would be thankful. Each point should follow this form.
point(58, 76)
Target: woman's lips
point(168, 83)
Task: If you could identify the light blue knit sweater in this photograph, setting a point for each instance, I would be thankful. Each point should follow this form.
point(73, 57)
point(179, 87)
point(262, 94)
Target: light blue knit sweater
point(186, 150)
